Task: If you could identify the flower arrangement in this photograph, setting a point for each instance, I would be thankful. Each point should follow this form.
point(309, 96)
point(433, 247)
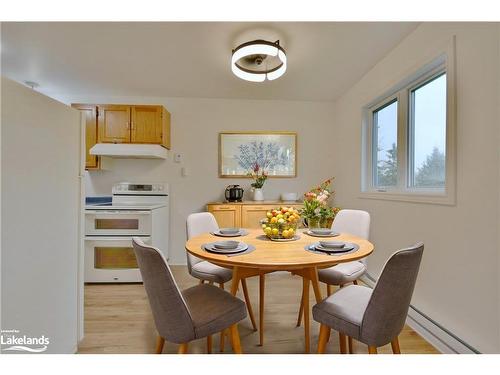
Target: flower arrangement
point(259, 176)
point(316, 209)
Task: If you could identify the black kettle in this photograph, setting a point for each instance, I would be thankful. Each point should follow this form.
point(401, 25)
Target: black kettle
point(234, 193)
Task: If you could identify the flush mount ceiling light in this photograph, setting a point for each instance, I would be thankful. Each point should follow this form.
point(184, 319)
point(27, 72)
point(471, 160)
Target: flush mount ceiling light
point(259, 59)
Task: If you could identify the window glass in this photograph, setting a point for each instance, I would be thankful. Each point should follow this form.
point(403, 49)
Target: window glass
point(385, 131)
point(428, 134)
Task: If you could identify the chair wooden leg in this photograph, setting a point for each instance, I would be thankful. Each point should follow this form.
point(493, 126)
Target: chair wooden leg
point(221, 343)
point(262, 288)
point(372, 349)
point(324, 332)
point(221, 285)
point(305, 294)
point(209, 344)
point(328, 336)
point(301, 310)
point(202, 282)
point(355, 282)
point(235, 339)
point(249, 305)
point(160, 341)
point(210, 283)
point(329, 290)
point(395, 346)
point(350, 344)
point(183, 348)
point(343, 348)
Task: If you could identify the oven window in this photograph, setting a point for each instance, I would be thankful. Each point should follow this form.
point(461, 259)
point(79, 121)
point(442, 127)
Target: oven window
point(114, 258)
point(116, 223)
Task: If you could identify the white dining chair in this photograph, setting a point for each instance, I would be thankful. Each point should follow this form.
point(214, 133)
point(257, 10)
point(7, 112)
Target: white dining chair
point(203, 270)
point(357, 223)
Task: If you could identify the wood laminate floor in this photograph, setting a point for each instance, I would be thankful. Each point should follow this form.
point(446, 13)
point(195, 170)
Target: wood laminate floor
point(118, 320)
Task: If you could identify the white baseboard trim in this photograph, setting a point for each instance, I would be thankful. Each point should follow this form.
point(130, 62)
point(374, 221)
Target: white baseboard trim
point(435, 334)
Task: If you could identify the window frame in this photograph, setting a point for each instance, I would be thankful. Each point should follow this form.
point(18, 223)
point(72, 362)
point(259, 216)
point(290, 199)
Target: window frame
point(404, 191)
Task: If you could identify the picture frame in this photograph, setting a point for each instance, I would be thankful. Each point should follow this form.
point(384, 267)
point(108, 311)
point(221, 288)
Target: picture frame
point(274, 151)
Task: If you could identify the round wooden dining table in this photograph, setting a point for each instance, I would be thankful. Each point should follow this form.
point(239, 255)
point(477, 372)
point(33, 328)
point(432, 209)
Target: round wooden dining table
point(270, 256)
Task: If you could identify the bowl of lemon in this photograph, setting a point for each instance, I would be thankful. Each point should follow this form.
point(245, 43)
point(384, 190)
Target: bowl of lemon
point(280, 224)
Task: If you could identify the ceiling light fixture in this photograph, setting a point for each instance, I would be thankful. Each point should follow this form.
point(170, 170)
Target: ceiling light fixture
point(259, 59)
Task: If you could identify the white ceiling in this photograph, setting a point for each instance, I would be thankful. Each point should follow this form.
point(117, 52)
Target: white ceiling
point(191, 59)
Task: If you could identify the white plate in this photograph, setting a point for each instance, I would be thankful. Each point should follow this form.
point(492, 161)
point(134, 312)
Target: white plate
point(345, 249)
point(229, 231)
point(332, 244)
point(211, 248)
point(226, 244)
point(242, 232)
point(331, 234)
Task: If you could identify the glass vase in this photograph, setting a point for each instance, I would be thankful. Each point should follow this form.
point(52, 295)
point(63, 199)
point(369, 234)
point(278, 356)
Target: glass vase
point(313, 222)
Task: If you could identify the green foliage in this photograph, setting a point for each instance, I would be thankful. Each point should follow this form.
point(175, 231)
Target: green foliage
point(432, 172)
point(387, 170)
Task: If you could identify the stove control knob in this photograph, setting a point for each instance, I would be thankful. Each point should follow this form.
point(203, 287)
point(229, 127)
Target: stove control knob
point(161, 187)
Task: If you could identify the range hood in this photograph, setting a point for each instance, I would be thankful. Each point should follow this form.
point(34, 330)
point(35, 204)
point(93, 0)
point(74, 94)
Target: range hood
point(131, 151)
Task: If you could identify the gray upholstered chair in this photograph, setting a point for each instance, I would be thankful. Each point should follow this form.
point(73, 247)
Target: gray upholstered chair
point(373, 317)
point(194, 313)
point(197, 224)
point(355, 222)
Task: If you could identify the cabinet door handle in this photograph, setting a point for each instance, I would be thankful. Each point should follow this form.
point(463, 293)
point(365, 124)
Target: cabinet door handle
point(224, 208)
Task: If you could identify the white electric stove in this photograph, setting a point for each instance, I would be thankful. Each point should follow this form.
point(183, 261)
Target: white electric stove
point(140, 210)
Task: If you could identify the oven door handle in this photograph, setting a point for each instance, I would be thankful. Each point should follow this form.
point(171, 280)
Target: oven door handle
point(99, 212)
point(111, 238)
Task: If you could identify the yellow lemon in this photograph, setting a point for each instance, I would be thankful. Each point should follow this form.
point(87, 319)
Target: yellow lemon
point(275, 231)
point(291, 232)
point(264, 226)
point(269, 215)
point(285, 233)
point(267, 230)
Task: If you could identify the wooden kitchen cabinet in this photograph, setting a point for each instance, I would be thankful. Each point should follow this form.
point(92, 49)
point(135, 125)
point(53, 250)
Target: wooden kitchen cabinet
point(90, 117)
point(113, 123)
point(251, 215)
point(142, 124)
point(150, 124)
point(227, 215)
point(246, 214)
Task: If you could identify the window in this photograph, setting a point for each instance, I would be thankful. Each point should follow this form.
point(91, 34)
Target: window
point(408, 142)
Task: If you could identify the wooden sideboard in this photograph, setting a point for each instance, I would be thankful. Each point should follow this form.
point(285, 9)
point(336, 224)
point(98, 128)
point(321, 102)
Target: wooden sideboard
point(246, 214)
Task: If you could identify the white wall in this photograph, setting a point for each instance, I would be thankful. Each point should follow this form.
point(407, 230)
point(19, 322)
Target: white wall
point(458, 284)
point(40, 209)
point(195, 127)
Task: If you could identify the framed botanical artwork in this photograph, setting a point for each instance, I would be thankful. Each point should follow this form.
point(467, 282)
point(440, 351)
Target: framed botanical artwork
point(273, 152)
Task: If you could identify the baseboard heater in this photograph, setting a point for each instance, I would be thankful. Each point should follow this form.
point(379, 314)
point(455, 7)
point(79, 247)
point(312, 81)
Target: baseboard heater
point(433, 332)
